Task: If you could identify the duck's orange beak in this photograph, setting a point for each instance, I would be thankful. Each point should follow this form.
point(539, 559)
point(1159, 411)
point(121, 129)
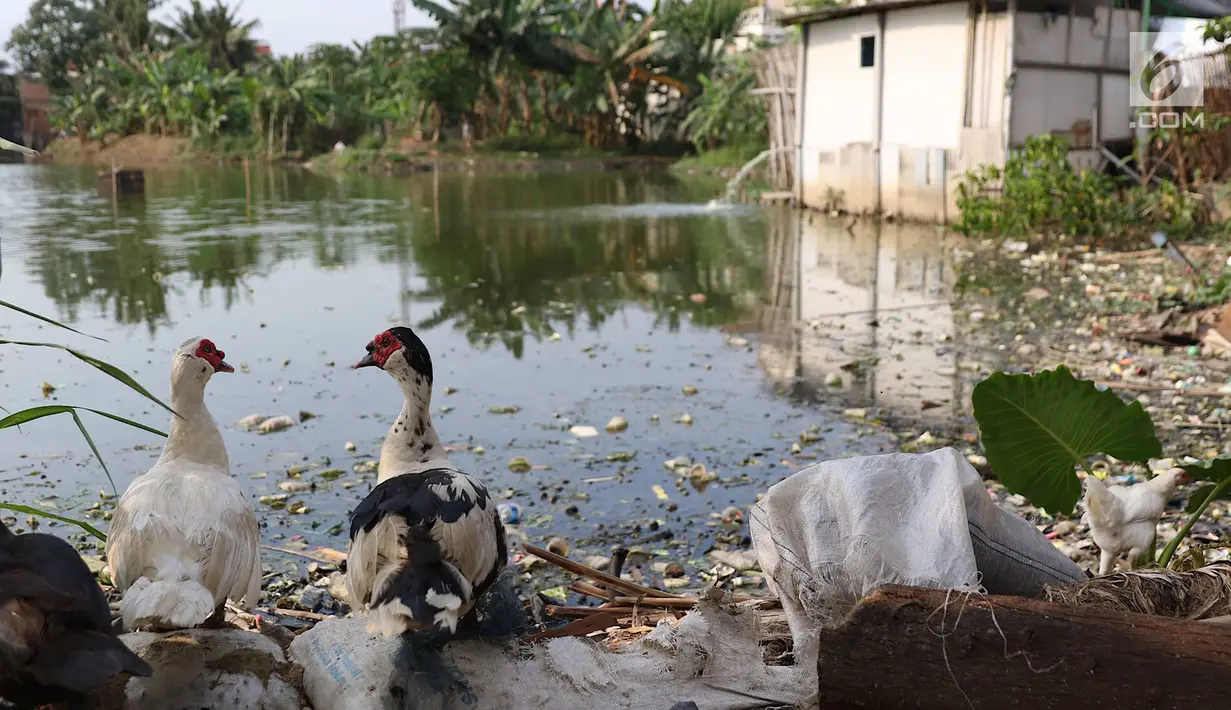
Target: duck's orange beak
point(223, 367)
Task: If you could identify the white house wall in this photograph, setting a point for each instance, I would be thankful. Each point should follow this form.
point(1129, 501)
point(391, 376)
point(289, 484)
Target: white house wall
point(988, 74)
point(925, 81)
point(924, 145)
point(1048, 38)
point(924, 104)
point(839, 104)
point(1051, 100)
point(933, 125)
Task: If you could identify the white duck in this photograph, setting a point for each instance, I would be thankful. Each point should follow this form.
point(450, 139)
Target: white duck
point(427, 542)
point(184, 537)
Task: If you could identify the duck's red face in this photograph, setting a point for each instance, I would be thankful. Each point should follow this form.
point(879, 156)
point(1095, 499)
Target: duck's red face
point(380, 349)
point(208, 352)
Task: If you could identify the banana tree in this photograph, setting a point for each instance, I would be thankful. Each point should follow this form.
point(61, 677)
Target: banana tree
point(218, 32)
point(725, 111)
point(293, 90)
point(615, 51)
point(443, 79)
point(507, 39)
point(338, 65)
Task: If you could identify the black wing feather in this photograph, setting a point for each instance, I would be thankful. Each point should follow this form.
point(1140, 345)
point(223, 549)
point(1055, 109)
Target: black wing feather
point(411, 497)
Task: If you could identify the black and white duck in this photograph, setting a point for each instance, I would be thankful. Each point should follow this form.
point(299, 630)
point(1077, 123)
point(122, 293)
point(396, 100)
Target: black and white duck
point(427, 542)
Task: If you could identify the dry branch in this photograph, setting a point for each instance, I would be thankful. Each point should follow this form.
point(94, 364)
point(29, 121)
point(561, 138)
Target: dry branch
point(591, 573)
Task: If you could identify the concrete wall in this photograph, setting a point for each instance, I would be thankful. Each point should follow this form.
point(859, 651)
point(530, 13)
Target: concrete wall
point(1087, 60)
point(924, 144)
point(988, 71)
point(839, 112)
point(924, 100)
point(944, 94)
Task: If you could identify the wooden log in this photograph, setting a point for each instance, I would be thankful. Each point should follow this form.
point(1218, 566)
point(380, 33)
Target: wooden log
point(926, 649)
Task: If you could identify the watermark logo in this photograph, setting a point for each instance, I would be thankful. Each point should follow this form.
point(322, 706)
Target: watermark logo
point(1158, 75)
point(1165, 89)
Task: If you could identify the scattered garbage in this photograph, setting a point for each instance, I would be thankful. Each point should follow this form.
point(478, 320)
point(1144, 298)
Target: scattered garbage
point(510, 513)
point(616, 425)
point(559, 546)
point(711, 656)
point(831, 533)
point(276, 424)
point(205, 668)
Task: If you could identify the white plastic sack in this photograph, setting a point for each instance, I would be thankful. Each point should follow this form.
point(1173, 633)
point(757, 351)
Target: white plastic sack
point(711, 658)
point(210, 669)
point(835, 531)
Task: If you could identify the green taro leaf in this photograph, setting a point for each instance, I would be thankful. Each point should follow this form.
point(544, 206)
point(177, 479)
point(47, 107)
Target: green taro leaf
point(44, 514)
point(1037, 428)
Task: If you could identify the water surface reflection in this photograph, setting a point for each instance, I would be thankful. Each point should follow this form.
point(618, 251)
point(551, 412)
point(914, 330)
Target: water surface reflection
point(865, 303)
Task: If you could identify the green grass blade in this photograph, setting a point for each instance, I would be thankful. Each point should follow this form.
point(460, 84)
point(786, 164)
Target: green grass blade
point(45, 319)
point(110, 369)
point(124, 420)
point(47, 410)
point(29, 415)
point(97, 454)
point(44, 514)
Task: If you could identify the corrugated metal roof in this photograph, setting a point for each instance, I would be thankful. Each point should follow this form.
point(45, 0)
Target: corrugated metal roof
point(1204, 9)
point(833, 13)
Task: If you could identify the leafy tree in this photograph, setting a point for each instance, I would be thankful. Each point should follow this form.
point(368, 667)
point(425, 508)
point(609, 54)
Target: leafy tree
point(614, 49)
point(726, 111)
point(58, 37)
point(127, 27)
point(218, 31)
point(446, 81)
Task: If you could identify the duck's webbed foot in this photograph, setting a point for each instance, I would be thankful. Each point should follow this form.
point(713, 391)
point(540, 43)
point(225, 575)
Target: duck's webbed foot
point(217, 620)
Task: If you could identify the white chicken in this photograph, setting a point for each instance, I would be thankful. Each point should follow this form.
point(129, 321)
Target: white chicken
point(184, 537)
point(1124, 518)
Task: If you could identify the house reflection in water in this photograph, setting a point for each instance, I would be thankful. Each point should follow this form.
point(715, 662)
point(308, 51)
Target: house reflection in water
point(869, 304)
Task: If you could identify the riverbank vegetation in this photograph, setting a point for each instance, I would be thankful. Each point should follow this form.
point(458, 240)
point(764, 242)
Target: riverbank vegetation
point(1039, 193)
point(598, 77)
point(1175, 181)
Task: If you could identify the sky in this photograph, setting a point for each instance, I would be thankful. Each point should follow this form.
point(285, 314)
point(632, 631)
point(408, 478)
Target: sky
point(289, 26)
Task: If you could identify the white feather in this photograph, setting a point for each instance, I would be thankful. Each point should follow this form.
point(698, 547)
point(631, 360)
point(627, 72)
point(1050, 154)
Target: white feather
point(185, 528)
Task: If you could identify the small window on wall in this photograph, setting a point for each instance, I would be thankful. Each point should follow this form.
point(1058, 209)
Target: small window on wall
point(867, 51)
